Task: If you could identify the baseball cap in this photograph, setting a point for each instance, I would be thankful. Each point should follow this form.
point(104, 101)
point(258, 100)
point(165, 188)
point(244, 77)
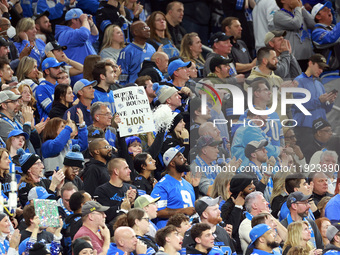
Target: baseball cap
point(73, 14)
point(170, 154)
point(219, 60)
point(38, 192)
point(83, 83)
point(321, 60)
point(202, 203)
point(207, 140)
point(93, 206)
point(39, 15)
point(270, 35)
point(16, 132)
point(332, 230)
point(54, 46)
point(258, 231)
point(318, 124)
point(145, 200)
point(296, 196)
point(318, 7)
point(8, 95)
point(3, 42)
point(253, 146)
point(51, 62)
point(219, 36)
point(178, 63)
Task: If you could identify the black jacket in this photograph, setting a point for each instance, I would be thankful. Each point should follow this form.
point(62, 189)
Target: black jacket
point(95, 174)
point(58, 110)
point(148, 68)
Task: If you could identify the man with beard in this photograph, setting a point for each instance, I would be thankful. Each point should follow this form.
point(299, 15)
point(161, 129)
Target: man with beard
point(132, 56)
point(45, 90)
point(298, 205)
point(263, 240)
point(64, 201)
point(73, 163)
point(177, 195)
point(95, 172)
point(117, 193)
point(84, 90)
point(209, 212)
point(44, 27)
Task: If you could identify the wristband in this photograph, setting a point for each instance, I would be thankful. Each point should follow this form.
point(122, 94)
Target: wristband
point(239, 206)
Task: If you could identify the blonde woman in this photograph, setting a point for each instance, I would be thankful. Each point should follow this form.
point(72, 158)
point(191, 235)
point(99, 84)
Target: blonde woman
point(191, 48)
point(279, 192)
point(27, 99)
point(299, 234)
point(221, 186)
point(5, 178)
point(28, 73)
point(113, 42)
point(26, 38)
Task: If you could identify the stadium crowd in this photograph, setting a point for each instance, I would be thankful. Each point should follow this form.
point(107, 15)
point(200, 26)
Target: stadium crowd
point(243, 160)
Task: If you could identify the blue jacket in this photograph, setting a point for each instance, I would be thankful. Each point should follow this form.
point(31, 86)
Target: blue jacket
point(131, 58)
point(56, 11)
point(246, 134)
point(113, 250)
point(314, 106)
point(52, 147)
point(38, 52)
point(87, 116)
point(44, 95)
point(320, 36)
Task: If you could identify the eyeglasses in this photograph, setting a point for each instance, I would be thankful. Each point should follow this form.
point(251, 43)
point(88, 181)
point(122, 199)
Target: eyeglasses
point(106, 147)
point(38, 163)
point(108, 114)
point(75, 169)
point(146, 218)
point(327, 131)
point(145, 28)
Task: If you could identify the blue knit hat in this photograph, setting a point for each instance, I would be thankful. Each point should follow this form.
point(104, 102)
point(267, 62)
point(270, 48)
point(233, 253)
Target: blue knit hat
point(74, 157)
point(26, 160)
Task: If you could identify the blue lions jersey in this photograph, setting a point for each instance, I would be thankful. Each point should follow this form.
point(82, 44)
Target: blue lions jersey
point(174, 194)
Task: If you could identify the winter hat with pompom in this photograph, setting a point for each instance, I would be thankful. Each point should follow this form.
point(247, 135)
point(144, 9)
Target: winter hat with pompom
point(26, 160)
point(163, 92)
point(74, 157)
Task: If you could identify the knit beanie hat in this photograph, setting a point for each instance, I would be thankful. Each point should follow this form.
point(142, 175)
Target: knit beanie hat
point(74, 157)
point(80, 244)
point(178, 117)
point(163, 92)
point(26, 160)
point(238, 183)
point(38, 249)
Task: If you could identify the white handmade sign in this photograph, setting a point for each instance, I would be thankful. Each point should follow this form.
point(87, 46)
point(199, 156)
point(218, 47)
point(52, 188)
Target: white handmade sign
point(133, 107)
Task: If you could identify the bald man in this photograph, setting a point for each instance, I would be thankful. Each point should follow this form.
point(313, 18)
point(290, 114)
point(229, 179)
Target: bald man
point(155, 67)
point(133, 55)
point(126, 242)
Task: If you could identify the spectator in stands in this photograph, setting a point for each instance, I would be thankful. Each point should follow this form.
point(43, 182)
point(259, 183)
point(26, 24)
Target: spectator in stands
point(81, 246)
point(159, 34)
point(84, 91)
point(298, 205)
point(290, 141)
point(179, 73)
point(191, 50)
point(11, 52)
point(207, 209)
point(89, 63)
point(32, 169)
point(328, 162)
point(254, 204)
point(5, 178)
point(168, 95)
point(45, 90)
point(322, 133)
point(63, 98)
point(79, 25)
point(133, 55)
point(93, 217)
point(231, 26)
point(57, 140)
point(6, 72)
point(320, 185)
point(299, 234)
point(116, 189)
point(64, 201)
point(55, 10)
point(44, 27)
point(197, 118)
point(321, 102)
point(323, 223)
point(169, 238)
point(144, 164)
point(296, 21)
point(325, 34)
point(333, 237)
point(155, 67)
point(113, 42)
point(174, 16)
point(148, 204)
point(28, 99)
point(126, 242)
point(95, 172)
point(105, 76)
point(263, 240)
point(28, 73)
point(177, 195)
point(26, 36)
point(181, 222)
point(287, 66)
point(146, 82)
